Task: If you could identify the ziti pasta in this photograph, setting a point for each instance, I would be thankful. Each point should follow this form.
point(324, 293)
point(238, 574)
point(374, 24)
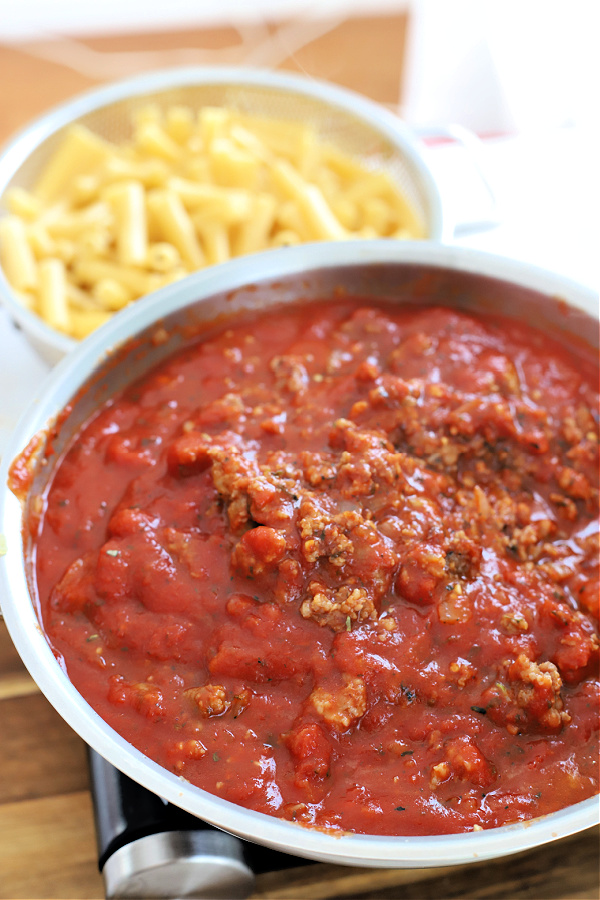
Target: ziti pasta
point(108, 223)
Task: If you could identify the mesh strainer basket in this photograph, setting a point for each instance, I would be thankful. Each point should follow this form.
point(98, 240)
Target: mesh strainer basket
point(352, 123)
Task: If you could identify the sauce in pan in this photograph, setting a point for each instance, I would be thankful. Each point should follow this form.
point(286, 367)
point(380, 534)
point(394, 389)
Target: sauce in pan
point(339, 564)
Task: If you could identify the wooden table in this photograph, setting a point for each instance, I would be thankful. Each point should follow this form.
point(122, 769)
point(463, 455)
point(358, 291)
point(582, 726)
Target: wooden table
point(47, 842)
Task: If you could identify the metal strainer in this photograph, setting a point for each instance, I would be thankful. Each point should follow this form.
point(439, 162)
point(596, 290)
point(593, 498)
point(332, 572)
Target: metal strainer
point(354, 124)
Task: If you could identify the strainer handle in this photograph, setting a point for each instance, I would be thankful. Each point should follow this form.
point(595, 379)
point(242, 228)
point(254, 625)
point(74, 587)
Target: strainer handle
point(473, 147)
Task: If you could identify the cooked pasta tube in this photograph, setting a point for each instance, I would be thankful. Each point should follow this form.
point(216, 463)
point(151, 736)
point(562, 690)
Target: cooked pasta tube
point(162, 257)
point(296, 141)
point(253, 235)
point(233, 166)
point(74, 224)
point(83, 322)
point(228, 205)
point(94, 243)
point(215, 240)
point(80, 152)
point(85, 189)
point(179, 123)
point(213, 122)
point(39, 240)
point(80, 299)
point(173, 221)
point(53, 294)
point(129, 204)
point(89, 271)
point(320, 219)
point(23, 203)
point(16, 254)
point(151, 172)
point(111, 294)
point(153, 139)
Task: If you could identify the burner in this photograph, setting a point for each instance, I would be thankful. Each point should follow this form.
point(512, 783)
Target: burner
point(151, 849)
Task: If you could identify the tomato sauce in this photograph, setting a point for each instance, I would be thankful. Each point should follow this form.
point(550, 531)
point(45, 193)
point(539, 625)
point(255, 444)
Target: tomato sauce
point(339, 564)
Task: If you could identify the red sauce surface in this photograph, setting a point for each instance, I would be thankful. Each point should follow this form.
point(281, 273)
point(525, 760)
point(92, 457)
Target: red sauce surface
point(341, 566)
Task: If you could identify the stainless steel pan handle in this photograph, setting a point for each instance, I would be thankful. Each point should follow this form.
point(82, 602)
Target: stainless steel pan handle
point(150, 849)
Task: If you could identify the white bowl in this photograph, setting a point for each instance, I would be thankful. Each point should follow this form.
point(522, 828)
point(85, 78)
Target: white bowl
point(355, 124)
point(372, 267)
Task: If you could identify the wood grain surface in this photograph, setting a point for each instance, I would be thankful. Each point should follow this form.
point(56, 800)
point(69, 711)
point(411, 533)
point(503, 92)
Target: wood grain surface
point(47, 841)
point(365, 55)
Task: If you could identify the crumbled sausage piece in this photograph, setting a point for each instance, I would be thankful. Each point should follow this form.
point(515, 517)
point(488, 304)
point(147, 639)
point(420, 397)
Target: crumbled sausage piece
point(415, 518)
point(190, 749)
point(283, 467)
point(465, 761)
point(344, 707)
point(232, 473)
point(560, 570)
point(345, 435)
point(566, 507)
point(366, 371)
point(528, 542)
point(363, 474)
point(585, 454)
point(421, 572)
point(463, 671)
point(439, 774)
point(530, 701)
point(227, 409)
point(347, 541)
point(319, 468)
point(575, 654)
point(250, 493)
point(571, 431)
point(336, 608)
point(145, 697)
point(324, 534)
point(290, 581)
point(355, 476)
point(577, 649)
point(258, 550)
point(454, 606)
point(211, 699)
point(463, 556)
point(573, 483)
point(290, 373)
point(389, 392)
point(179, 752)
point(514, 622)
